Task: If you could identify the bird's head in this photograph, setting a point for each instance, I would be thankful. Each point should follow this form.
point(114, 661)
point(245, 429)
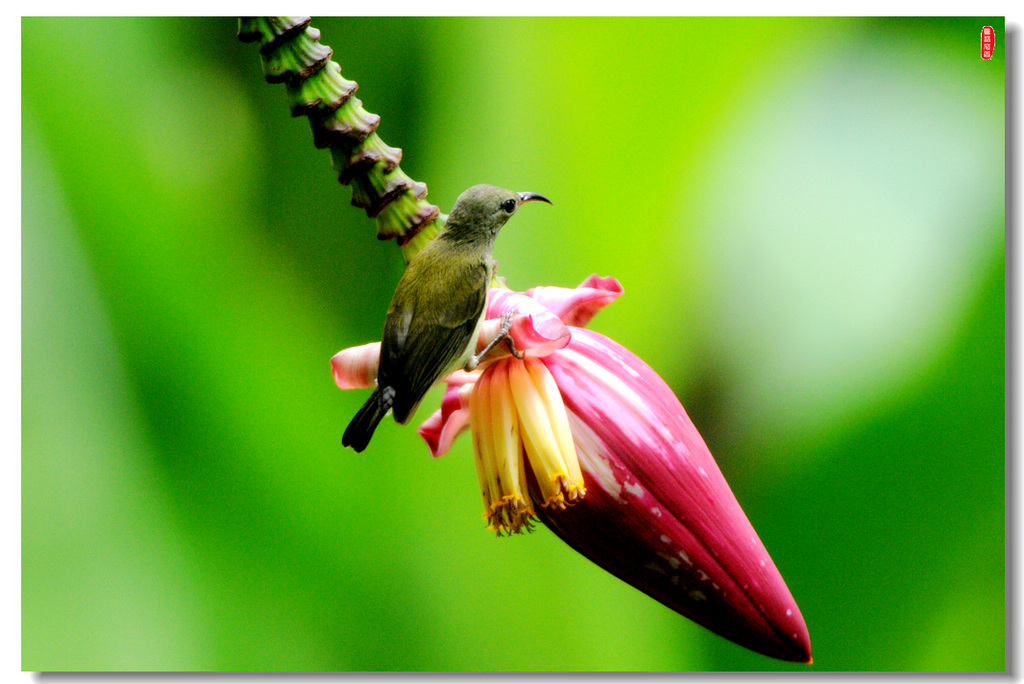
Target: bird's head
point(481, 211)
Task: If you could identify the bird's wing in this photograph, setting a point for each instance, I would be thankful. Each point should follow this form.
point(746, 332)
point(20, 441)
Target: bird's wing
point(414, 354)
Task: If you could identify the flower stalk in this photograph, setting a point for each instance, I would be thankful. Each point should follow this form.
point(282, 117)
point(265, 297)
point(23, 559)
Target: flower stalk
point(292, 54)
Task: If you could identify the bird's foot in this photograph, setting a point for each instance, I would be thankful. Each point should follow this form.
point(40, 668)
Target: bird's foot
point(506, 325)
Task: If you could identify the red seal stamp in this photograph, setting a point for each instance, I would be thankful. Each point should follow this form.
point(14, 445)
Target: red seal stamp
point(988, 42)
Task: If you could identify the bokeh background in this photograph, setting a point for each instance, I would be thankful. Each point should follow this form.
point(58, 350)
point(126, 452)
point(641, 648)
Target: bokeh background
point(807, 217)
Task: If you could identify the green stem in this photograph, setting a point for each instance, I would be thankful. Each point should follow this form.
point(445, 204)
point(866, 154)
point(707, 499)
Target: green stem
point(292, 54)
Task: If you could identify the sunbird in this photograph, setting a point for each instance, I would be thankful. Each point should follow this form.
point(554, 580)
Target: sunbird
point(438, 307)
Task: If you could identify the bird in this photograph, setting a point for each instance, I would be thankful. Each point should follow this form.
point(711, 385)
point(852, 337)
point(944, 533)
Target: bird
point(434, 319)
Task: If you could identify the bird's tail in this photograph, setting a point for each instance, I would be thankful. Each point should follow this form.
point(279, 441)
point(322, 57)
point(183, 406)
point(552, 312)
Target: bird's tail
point(360, 430)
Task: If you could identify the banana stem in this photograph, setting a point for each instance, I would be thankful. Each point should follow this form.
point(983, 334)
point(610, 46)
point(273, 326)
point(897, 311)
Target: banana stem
point(292, 54)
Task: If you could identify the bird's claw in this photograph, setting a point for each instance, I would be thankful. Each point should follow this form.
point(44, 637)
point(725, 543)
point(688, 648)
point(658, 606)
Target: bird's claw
point(512, 349)
point(506, 322)
point(507, 319)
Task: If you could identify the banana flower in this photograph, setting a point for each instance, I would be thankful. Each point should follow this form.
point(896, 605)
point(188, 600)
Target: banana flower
point(585, 437)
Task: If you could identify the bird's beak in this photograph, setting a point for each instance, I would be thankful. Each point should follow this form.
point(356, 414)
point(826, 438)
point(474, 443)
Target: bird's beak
point(525, 197)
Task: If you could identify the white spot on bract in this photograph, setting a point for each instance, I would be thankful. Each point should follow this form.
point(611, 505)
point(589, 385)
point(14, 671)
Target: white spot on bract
point(665, 538)
point(674, 562)
point(789, 612)
point(762, 563)
point(656, 511)
point(702, 576)
point(636, 489)
point(700, 469)
point(794, 635)
point(686, 559)
point(590, 447)
point(714, 586)
point(697, 595)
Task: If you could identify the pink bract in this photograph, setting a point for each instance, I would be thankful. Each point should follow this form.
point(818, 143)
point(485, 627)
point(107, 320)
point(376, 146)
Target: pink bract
point(657, 511)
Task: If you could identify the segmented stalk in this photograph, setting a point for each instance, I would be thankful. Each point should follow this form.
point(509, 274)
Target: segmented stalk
point(292, 54)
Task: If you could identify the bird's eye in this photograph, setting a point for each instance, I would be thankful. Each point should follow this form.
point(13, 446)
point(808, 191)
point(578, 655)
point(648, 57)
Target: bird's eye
point(509, 206)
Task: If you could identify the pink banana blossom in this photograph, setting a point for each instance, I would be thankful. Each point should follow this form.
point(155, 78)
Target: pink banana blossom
point(584, 436)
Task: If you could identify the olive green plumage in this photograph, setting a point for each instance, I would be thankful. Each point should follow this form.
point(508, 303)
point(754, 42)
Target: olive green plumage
point(434, 319)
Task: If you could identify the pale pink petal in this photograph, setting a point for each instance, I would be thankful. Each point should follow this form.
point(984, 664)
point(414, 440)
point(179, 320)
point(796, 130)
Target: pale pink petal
point(356, 367)
point(448, 422)
point(535, 330)
point(577, 305)
point(461, 377)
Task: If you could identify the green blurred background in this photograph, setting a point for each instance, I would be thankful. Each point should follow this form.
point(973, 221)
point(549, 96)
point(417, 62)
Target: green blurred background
point(806, 216)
